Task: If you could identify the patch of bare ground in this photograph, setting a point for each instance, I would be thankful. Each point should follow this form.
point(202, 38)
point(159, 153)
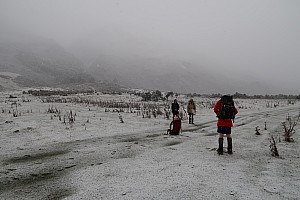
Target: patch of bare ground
point(38, 156)
point(59, 194)
point(172, 143)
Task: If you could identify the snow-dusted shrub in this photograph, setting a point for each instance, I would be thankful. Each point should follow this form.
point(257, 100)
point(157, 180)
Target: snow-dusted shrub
point(289, 130)
point(273, 147)
point(167, 114)
point(121, 119)
point(70, 116)
point(154, 113)
point(159, 112)
point(257, 131)
point(53, 110)
point(265, 125)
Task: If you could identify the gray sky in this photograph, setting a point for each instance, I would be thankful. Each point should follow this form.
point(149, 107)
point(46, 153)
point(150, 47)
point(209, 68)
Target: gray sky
point(257, 37)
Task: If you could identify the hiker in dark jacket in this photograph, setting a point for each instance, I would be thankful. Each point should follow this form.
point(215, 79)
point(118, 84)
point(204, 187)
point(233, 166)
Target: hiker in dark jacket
point(175, 108)
point(225, 123)
point(191, 110)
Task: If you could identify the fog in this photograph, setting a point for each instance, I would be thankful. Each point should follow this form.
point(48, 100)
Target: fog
point(250, 39)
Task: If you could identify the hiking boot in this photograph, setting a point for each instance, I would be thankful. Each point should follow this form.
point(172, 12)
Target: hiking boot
point(220, 152)
point(229, 148)
point(220, 149)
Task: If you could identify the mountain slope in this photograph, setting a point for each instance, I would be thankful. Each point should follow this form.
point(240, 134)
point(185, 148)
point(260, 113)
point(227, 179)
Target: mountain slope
point(39, 61)
point(171, 75)
point(131, 61)
point(110, 61)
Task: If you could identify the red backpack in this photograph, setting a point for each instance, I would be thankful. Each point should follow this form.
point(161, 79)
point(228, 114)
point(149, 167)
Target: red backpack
point(176, 126)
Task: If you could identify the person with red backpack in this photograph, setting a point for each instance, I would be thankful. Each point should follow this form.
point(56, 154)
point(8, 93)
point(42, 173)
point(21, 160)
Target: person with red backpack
point(175, 126)
point(225, 111)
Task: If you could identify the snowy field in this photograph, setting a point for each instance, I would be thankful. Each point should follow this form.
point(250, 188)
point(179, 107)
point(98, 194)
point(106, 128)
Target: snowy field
point(95, 156)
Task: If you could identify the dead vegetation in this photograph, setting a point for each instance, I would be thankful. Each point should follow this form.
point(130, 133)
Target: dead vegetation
point(144, 109)
point(257, 131)
point(273, 147)
point(289, 130)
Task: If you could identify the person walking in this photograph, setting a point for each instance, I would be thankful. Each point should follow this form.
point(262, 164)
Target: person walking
point(175, 108)
point(191, 109)
point(225, 111)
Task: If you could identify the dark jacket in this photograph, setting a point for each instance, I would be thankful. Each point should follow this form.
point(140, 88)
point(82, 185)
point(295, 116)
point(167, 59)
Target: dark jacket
point(175, 107)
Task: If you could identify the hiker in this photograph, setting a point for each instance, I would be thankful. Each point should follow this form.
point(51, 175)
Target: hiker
point(175, 108)
point(191, 109)
point(175, 126)
point(226, 112)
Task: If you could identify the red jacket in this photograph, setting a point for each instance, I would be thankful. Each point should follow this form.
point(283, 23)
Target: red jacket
point(223, 122)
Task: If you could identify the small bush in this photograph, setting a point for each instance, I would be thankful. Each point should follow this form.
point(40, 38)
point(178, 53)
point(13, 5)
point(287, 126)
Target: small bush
point(288, 127)
point(273, 147)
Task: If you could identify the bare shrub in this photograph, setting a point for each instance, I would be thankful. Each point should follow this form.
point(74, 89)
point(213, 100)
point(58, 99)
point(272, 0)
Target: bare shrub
point(288, 117)
point(257, 131)
point(54, 110)
point(167, 114)
point(121, 118)
point(181, 114)
point(15, 113)
point(273, 147)
point(70, 117)
point(288, 127)
point(159, 112)
point(265, 125)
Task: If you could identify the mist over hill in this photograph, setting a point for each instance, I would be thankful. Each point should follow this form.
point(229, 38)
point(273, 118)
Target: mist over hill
point(38, 61)
point(131, 61)
point(185, 46)
point(111, 60)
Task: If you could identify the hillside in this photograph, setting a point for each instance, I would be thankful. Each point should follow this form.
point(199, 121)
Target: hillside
point(112, 61)
point(160, 73)
point(39, 62)
point(136, 62)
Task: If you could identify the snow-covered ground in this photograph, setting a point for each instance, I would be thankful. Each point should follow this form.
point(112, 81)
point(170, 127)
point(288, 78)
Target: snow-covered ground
point(98, 157)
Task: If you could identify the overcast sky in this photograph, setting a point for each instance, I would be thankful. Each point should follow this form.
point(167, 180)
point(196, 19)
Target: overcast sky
point(261, 37)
